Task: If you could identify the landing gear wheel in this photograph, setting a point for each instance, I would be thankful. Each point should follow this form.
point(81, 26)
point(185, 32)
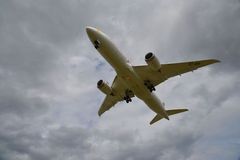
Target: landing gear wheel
point(153, 88)
point(96, 44)
point(127, 99)
point(128, 94)
point(149, 86)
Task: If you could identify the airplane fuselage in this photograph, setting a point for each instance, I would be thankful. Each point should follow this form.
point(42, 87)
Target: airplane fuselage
point(124, 70)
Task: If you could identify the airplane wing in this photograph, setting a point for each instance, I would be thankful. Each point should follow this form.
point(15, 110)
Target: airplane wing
point(108, 103)
point(170, 70)
point(119, 92)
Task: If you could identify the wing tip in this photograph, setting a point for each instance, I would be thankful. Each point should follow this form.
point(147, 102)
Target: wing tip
point(215, 61)
point(99, 113)
point(184, 110)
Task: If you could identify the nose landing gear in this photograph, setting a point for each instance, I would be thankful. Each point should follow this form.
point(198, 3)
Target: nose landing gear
point(96, 44)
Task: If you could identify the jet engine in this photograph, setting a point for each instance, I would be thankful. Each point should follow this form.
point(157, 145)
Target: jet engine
point(104, 87)
point(152, 61)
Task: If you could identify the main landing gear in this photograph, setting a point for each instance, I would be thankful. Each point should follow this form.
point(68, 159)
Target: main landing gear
point(127, 98)
point(149, 85)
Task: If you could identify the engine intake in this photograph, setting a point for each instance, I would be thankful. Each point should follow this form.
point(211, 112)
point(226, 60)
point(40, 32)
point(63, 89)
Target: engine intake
point(104, 87)
point(152, 62)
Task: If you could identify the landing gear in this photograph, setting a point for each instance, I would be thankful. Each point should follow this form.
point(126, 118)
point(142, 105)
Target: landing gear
point(152, 89)
point(127, 98)
point(149, 85)
point(96, 44)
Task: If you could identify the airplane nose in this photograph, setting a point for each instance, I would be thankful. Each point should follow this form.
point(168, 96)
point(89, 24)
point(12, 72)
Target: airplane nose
point(89, 30)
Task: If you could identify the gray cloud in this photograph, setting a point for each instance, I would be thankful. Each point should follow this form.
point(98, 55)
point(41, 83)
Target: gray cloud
point(49, 70)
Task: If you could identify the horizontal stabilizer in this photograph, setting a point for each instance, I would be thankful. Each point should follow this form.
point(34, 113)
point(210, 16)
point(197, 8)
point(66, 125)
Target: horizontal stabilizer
point(169, 112)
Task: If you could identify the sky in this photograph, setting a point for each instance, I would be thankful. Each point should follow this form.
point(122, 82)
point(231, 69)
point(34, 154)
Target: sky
point(49, 70)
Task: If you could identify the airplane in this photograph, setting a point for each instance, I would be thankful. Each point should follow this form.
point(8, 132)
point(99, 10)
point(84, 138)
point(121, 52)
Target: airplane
point(139, 81)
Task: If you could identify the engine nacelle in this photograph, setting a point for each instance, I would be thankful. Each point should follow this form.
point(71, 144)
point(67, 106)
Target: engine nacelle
point(152, 62)
point(104, 87)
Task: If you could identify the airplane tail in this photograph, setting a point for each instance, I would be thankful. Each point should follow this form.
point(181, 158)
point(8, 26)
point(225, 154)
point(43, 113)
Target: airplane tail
point(169, 112)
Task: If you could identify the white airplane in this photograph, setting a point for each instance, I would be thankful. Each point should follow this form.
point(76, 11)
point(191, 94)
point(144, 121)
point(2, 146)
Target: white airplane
point(137, 81)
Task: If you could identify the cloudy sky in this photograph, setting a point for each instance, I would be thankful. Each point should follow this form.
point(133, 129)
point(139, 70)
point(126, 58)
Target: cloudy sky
point(49, 70)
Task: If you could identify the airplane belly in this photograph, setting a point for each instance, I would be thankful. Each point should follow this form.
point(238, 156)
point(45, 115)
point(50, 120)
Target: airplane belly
point(154, 103)
point(135, 83)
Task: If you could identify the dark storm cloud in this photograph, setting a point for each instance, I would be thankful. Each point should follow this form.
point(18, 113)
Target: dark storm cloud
point(46, 79)
point(157, 148)
point(190, 29)
point(223, 93)
point(49, 21)
point(210, 29)
point(13, 101)
point(31, 143)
